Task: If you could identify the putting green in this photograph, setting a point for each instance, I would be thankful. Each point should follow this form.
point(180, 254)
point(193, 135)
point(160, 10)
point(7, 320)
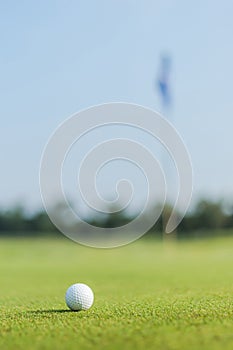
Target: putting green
point(147, 295)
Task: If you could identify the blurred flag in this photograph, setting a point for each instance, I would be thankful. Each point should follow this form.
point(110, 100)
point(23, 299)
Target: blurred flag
point(164, 80)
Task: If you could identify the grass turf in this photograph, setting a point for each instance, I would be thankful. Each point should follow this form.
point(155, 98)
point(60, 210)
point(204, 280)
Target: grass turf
point(147, 296)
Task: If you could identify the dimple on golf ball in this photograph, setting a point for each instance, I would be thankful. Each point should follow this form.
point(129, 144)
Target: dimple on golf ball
point(79, 297)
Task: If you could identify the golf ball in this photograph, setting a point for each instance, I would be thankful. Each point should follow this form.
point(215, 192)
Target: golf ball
point(79, 297)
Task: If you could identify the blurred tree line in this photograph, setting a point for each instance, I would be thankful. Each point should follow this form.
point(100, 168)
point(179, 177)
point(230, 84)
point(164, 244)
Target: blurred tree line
point(207, 216)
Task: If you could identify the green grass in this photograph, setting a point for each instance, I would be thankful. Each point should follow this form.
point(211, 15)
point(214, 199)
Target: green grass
point(147, 296)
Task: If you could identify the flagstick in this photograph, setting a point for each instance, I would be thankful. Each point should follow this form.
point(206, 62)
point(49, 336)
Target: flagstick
point(164, 88)
point(168, 238)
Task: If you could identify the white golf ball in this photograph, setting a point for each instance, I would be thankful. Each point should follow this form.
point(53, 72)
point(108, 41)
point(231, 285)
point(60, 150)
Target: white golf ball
point(79, 297)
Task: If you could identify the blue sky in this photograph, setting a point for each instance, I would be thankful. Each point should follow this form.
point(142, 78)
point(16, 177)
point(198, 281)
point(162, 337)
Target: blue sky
point(58, 57)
